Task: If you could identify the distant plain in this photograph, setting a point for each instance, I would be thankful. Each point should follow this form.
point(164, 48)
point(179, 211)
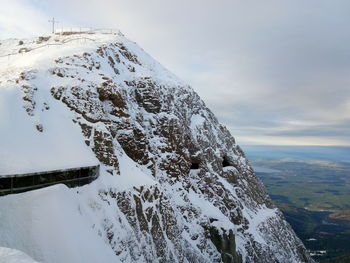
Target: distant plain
point(311, 185)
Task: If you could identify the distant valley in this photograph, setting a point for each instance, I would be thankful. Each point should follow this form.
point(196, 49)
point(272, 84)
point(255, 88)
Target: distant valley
point(311, 185)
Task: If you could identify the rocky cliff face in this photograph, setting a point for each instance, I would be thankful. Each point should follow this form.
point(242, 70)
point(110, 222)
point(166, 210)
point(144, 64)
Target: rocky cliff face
point(202, 203)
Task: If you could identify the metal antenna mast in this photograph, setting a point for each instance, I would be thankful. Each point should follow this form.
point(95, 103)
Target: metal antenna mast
point(53, 21)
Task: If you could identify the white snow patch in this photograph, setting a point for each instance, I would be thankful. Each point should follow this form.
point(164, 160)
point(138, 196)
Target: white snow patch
point(196, 121)
point(24, 149)
point(256, 219)
point(10, 255)
point(131, 175)
point(211, 211)
point(47, 225)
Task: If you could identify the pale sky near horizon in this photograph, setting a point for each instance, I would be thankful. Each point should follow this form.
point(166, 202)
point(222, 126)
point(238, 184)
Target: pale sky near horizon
point(274, 72)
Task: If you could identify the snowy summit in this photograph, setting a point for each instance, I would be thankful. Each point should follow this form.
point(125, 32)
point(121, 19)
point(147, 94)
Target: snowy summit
point(173, 187)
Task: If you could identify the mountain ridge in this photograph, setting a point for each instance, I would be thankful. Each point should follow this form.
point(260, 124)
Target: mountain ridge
point(174, 185)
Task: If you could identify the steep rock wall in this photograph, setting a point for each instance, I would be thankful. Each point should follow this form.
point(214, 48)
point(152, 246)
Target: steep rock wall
point(124, 102)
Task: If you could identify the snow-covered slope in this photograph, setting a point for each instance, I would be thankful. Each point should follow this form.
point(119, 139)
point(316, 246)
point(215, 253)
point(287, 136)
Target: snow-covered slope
point(10, 255)
point(100, 99)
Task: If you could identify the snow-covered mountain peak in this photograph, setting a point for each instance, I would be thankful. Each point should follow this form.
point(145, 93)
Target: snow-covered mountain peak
point(40, 52)
point(174, 186)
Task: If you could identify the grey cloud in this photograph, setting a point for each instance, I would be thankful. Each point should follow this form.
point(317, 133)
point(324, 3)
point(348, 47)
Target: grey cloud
point(335, 130)
point(259, 65)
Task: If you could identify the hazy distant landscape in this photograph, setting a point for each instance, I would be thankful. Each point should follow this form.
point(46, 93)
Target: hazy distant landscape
point(311, 185)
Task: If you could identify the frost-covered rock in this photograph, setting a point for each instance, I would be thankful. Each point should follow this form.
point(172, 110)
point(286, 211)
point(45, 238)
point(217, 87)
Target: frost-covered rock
point(174, 185)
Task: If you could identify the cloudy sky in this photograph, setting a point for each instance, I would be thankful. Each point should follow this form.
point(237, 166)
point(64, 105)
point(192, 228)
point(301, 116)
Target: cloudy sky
point(274, 72)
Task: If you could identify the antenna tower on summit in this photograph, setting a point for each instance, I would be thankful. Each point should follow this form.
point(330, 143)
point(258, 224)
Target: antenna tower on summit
point(53, 21)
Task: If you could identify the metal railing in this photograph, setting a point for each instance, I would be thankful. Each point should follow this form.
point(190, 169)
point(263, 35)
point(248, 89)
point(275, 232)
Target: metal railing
point(85, 30)
point(71, 31)
point(25, 50)
point(74, 177)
